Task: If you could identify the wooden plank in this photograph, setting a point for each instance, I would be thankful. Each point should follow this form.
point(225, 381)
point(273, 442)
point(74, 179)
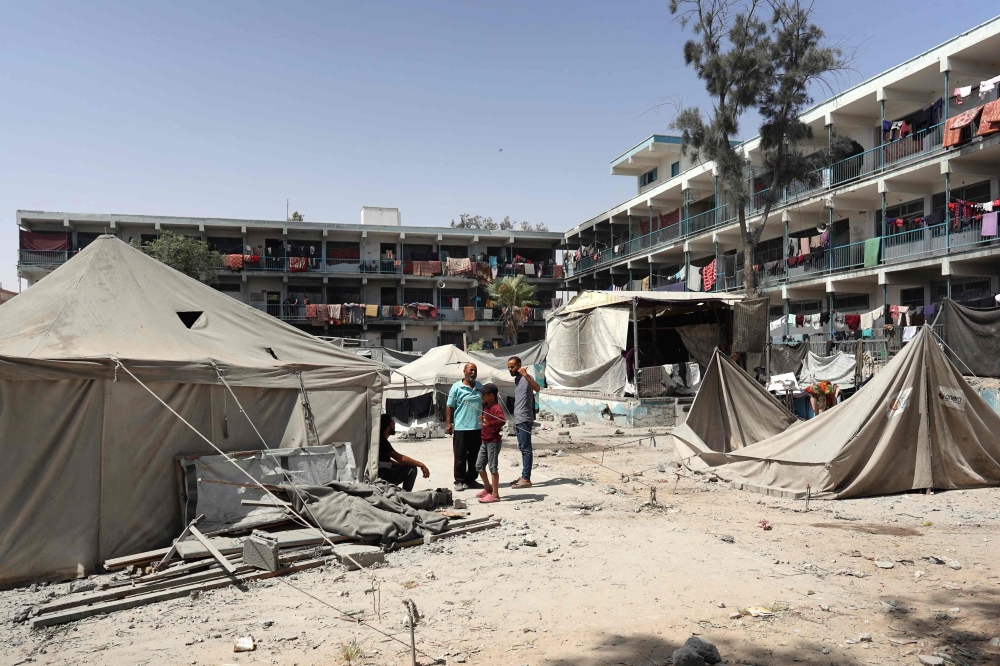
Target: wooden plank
point(464, 530)
point(137, 558)
point(190, 550)
point(51, 619)
point(173, 546)
point(267, 502)
point(207, 543)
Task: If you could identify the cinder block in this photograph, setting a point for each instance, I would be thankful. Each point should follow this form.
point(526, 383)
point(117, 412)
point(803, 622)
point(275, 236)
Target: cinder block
point(352, 556)
point(260, 550)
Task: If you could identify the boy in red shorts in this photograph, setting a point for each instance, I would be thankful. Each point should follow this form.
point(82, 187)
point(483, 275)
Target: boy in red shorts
point(493, 420)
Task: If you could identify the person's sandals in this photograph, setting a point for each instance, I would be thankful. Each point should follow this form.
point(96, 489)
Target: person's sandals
point(521, 483)
point(482, 493)
point(488, 499)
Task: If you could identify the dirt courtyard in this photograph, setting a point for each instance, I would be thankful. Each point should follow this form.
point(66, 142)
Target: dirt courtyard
point(612, 578)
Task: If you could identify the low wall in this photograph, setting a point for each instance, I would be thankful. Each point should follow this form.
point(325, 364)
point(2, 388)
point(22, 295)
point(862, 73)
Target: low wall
point(626, 412)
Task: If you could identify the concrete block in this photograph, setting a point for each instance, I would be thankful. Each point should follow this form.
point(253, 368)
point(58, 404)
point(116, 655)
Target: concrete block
point(353, 555)
point(261, 550)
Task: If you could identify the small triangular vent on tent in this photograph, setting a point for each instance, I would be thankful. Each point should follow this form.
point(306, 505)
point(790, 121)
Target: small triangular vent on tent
point(189, 317)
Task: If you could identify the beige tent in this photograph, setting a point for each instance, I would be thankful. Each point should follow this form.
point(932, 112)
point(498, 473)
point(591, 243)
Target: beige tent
point(917, 424)
point(730, 412)
point(438, 369)
point(90, 454)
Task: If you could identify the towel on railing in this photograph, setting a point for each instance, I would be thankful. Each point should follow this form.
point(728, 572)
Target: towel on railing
point(310, 311)
point(459, 266)
point(371, 310)
point(470, 314)
point(297, 264)
point(400, 311)
point(708, 275)
point(335, 312)
point(557, 271)
point(871, 252)
point(387, 311)
point(435, 267)
point(989, 225)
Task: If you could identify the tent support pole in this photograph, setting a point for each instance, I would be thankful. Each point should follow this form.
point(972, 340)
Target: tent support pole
point(635, 344)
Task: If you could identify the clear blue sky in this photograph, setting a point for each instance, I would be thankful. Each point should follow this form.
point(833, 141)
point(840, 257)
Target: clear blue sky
point(228, 108)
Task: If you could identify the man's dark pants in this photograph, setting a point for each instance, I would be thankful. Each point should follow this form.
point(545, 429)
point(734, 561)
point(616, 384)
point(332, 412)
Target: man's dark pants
point(465, 444)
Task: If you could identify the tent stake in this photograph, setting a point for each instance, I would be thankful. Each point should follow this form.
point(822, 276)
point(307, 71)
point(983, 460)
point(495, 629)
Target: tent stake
point(808, 495)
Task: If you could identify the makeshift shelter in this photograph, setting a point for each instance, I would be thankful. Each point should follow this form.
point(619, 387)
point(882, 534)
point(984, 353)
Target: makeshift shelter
point(590, 337)
point(530, 353)
point(838, 368)
point(730, 412)
point(917, 424)
point(92, 456)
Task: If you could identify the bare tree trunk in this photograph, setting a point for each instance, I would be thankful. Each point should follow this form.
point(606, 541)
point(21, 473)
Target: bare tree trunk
point(746, 235)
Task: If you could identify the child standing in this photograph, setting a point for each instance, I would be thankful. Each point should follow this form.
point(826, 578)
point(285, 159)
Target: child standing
point(489, 452)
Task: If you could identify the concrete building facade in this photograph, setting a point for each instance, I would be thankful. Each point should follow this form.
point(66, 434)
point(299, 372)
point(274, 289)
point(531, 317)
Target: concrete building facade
point(331, 264)
point(911, 164)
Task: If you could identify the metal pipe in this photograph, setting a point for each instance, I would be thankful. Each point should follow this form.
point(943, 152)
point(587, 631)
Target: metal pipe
point(635, 344)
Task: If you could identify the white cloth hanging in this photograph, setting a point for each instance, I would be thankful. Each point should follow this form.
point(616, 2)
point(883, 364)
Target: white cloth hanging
point(988, 85)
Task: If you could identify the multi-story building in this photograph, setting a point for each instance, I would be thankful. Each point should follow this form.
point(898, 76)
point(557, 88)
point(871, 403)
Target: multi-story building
point(915, 144)
point(287, 264)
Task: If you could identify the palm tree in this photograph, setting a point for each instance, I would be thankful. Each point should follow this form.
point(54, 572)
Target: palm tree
point(512, 295)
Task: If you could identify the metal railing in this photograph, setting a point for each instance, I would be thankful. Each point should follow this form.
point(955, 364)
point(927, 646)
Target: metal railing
point(874, 160)
point(44, 257)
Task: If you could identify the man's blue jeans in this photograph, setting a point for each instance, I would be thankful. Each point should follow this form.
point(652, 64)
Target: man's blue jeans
point(523, 431)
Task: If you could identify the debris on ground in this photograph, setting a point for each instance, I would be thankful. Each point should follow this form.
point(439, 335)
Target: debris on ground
point(764, 525)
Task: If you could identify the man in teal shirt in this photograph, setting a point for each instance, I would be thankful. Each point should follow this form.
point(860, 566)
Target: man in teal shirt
point(465, 405)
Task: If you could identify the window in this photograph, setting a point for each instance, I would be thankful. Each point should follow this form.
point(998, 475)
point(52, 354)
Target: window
point(387, 250)
point(647, 178)
point(675, 169)
point(454, 251)
point(406, 344)
point(229, 287)
point(805, 307)
point(447, 294)
point(966, 288)
point(776, 311)
point(225, 244)
point(413, 295)
point(912, 297)
point(905, 211)
point(387, 296)
point(857, 302)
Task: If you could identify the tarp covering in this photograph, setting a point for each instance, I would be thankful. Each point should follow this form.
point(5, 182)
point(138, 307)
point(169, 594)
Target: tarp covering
point(788, 358)
point(438, 369)
point(530, 353)
point(587, 300)
point(838, 368)
point(750, 325)
point(397, 359)
point(730, 412)
point(91, 455)
point(701, 341)
point(48, 242)
point(378, 511)
point(585, 350)
point(974, 336)
point(917, 424)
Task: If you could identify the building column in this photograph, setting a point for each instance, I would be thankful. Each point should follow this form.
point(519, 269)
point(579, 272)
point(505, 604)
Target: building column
point(829, 309)
point(715, 185)
point(881, 134)
point(715, 287)
point(947, 96)
point(687, 268)
point(788, 307)
point(947, 220)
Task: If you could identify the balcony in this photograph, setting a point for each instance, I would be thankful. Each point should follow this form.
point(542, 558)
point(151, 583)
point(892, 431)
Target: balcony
point(297, 313)
point(317, 265)
point(870, 163)
point(44, 258)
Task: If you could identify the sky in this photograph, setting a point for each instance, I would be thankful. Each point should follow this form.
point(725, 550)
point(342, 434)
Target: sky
point(227, 109)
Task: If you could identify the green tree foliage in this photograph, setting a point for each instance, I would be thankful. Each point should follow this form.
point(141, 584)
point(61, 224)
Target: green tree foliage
point(747, 63)
point(466, 221)
point(478, 345)
point(512, 294)
point(187, 255)
point(298, 217)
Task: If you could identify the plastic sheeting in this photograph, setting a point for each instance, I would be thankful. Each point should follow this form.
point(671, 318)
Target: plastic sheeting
point(973, 337)
point(917, 424)
point(750, 325)
point(212, 486)
point(438, 369)
point(530, 353)
point(397, 359)
point(585, 350)
point(838, 368)
point(730, 412)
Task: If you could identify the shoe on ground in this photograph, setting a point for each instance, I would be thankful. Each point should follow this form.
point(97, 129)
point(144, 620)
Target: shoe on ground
point(475, 485)
point(460, 486)
point(488, 499)
point(521, 483)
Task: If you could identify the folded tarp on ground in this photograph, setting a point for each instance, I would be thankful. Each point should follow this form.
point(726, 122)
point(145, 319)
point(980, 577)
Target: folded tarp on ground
point(730, 412)
point(371, 512)
point(214, 486)
point(838, 368)
point(917, 424)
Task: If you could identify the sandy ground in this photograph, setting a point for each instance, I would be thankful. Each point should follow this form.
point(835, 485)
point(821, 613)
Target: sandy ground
point(612, 579)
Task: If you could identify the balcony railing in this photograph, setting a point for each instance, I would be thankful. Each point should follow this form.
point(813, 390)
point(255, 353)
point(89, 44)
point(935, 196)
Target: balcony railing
point(44, 257)
point(297, 312)
point(875, 160)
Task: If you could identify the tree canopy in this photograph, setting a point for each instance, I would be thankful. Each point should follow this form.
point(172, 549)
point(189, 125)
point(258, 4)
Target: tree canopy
point(466, 221)
point(512, 294)
point(187, 255)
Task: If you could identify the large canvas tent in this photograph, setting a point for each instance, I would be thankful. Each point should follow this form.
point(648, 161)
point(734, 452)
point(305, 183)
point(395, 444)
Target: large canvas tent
point(972, 336)
point(917, 424)
point(730, 412)
point(91, 455)
point(438, 369)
